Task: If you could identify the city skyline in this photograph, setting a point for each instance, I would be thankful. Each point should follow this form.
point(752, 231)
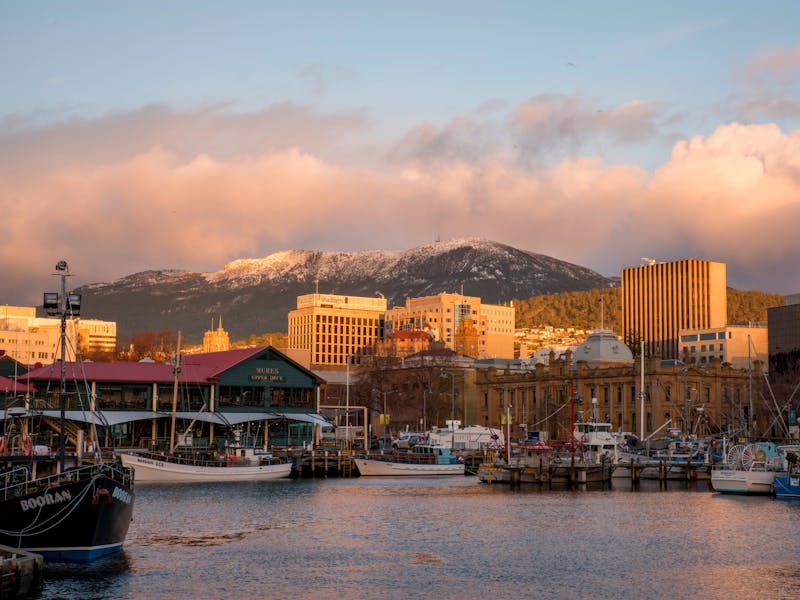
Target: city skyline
point(188, 135)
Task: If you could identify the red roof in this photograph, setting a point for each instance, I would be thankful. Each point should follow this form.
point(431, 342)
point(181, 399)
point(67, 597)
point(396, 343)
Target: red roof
point(411, 335)
point(102, 371)
point(12, 386)
point(195, 368)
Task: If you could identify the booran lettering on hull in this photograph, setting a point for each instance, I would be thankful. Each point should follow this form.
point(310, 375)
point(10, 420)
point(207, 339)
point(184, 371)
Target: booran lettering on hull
point(45, 499)
point(121, 495)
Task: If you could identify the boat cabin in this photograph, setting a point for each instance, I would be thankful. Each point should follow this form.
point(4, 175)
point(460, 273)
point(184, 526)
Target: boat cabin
point(427, 453)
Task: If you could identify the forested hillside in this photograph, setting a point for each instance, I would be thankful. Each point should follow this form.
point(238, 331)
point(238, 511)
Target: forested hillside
point(603, 308)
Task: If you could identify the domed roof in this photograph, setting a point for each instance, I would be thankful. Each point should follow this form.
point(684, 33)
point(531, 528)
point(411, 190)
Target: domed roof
point(603, 346)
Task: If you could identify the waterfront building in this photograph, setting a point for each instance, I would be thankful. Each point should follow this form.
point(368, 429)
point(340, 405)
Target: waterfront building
point(694, 399)
point(462, 323)
point(738, 345)
point(31, 339)
point(421, 391)
point(332, 328)
point(256, 389)
point(661, 298)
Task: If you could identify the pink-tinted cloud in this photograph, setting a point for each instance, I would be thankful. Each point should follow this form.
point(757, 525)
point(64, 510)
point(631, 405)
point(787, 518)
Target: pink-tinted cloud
point(732, 196)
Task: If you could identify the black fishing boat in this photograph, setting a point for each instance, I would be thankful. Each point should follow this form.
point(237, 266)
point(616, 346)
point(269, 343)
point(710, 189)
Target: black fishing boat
point(64, 511)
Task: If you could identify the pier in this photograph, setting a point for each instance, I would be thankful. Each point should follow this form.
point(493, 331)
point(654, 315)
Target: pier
point(662, 469)
point(311, 463)
point(20, 573)
point(333, 462)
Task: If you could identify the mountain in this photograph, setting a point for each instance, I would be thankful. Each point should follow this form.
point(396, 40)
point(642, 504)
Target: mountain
point(255, 295)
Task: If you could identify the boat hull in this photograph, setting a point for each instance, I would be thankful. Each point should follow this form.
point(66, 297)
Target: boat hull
point(152, 470)
point(372, 467)
point(739, 481)
point(786, 486)
point(69, 521)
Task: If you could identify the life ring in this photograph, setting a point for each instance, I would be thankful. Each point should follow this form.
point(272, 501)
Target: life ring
point(103, 496)
point(760, 455)
point(28, 445)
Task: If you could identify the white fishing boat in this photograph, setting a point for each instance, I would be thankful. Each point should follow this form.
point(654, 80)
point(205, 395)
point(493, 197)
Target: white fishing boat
point(749, 469)
point(472, 437)
point(755, 480)
point(187, 464)
point(421, 460)
point(235, 463)
point(595, 440)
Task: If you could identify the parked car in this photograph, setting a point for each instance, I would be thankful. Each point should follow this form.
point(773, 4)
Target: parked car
point(407, 440)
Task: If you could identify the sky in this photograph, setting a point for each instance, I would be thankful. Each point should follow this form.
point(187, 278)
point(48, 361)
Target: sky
point(187, 134)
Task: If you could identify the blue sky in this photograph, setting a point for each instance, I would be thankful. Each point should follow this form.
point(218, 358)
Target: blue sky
point(594, 132)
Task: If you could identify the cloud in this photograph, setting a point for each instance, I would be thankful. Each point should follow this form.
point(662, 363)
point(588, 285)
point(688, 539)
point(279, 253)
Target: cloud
point(560, 125)
point(770, 84)
point(120, 206)
point(213, 130)
point(541, 130)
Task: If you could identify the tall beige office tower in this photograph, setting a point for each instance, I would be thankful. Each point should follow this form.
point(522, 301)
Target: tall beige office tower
point(332, 328)
point(661, 298)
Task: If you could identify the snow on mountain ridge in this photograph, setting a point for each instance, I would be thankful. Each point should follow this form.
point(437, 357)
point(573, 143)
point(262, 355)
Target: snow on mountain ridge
point(381, 265)
point(255, 294)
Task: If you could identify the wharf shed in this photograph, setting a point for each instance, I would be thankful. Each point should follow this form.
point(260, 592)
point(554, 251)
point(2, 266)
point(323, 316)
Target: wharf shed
point(257, 390)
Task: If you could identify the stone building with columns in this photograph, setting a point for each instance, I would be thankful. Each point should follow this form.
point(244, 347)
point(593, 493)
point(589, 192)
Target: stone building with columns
point(712, 398)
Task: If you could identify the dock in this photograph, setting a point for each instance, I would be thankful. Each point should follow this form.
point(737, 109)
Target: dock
point(338, 462)
point(21, 573)
point(662, 470)
point(323, 463)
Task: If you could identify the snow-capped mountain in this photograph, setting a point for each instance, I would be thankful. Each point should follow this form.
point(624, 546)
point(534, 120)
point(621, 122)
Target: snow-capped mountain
point(254, 296)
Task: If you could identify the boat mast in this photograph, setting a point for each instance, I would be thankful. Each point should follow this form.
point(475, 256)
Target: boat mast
point(60, 304)
point(641, 397)
point(749, 391)
point(176, 371)
point(62, 395)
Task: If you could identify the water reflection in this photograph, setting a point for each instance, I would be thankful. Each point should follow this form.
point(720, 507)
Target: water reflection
point(400, 538)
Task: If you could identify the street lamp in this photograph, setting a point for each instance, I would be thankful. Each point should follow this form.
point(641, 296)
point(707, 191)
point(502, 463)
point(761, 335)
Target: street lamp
point(452, 406)
point(385, 415)
point(508, 434)
point(425, 392)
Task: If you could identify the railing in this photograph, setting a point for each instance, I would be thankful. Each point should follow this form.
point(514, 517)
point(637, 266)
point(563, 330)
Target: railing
point(114, 471)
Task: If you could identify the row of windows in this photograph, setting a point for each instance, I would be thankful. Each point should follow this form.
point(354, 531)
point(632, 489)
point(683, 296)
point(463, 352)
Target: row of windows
point(34, 355)
point(342, 320)
point(703, 348)
point(704, 337)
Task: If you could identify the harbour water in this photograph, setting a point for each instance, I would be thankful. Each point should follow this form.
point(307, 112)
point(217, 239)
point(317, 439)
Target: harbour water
point(444, 538)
